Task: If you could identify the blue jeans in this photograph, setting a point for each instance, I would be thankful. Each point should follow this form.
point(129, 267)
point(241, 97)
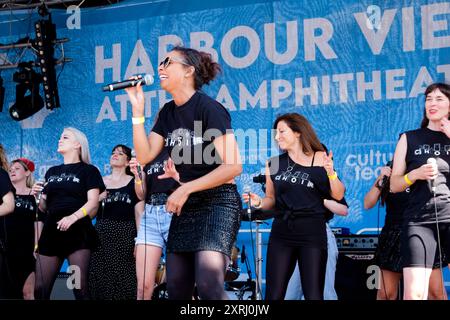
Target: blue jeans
point(294, 290)
point(154, 227)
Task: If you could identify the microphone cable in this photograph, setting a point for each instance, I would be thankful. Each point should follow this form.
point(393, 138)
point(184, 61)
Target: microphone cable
point(145, 231)
point(255, 262)
point(433, 190)
point(379, 233)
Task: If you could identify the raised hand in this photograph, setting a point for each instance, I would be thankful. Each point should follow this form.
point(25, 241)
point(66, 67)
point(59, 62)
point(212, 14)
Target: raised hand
point(170, 171)
point(134, 164)
point(328, 163)
point(255, 199)
point(445, 126)
point(137, 99)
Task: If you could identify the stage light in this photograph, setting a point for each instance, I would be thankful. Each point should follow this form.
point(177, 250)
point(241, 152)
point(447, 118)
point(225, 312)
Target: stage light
point(44, 44)
point(2, 94)
point(28, 99)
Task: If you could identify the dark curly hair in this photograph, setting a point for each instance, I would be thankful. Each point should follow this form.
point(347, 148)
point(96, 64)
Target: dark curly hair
point(205, 68)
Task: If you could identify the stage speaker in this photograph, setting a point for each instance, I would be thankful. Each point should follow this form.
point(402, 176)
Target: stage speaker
point(354, 275)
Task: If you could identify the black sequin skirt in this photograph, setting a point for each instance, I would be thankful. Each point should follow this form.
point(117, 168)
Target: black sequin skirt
point(209, 220)
point(388, 254)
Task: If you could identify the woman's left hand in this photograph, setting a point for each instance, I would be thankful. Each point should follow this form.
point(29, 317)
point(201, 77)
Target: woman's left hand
point(328, 163)
point(66, 222)
point(177, 199)
point(170, 171)
point(445, 126)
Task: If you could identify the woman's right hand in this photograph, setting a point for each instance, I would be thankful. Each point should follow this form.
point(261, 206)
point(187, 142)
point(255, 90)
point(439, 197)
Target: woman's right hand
point(37, 188)
point(137, 100)
point(134, 167)
point(255, 199)
point(427, 171)
point(385, 172)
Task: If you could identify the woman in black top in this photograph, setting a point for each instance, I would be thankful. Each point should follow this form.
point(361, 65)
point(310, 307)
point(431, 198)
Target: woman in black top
point(6, 207)
point(112, 271)
point(297, 182)
point(196, 129)
point(388, 254)
point(427, 216)
point(70, 198)
point(19, 232)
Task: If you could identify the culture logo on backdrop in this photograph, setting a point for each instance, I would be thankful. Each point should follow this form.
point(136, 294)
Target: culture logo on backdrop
point(367, 166)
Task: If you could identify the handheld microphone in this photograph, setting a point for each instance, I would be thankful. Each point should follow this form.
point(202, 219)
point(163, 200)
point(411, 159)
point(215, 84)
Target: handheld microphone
point(247, 189)
point(146, 80)
point(38, 199)
point(138, 167)
point(243, 255)
point(431, 182)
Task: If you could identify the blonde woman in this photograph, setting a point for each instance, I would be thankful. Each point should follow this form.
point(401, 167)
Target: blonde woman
point(71, 199)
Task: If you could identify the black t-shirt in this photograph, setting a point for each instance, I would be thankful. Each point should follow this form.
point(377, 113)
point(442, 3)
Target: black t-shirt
point(17, 228)
point(299, 188)
point(183, 128)
point(424, 144)
point(154, 169)
point(396, 204)
point(67, 186)
point(5, 184)
point(119, 203)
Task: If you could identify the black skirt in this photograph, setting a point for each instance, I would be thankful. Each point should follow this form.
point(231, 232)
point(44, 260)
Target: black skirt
point(388, 254)
point(209, 220)
point(54, 242)
point(112, 267)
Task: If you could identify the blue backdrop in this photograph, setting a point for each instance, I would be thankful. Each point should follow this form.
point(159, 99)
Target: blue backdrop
point(355, 69)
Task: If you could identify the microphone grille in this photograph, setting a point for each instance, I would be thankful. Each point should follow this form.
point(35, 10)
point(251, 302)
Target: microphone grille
point(431, 161)
point(247, 188)
point(148, 79)
point(133, 153)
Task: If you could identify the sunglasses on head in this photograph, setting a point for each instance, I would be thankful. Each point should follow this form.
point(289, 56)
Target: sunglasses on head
point(168, 60)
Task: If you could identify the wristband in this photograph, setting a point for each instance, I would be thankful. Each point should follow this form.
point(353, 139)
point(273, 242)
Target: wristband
point(259, 205)
point(84, 211)
point(333, 176)
point(408, 182)
point(138, 120)
point(138, 182)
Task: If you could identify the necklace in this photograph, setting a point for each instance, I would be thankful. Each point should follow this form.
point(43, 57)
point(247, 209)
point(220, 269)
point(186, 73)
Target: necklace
point(290, 167)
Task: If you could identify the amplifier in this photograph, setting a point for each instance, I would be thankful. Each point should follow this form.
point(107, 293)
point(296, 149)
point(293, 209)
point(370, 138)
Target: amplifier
point(340, 230)
point(357, 242)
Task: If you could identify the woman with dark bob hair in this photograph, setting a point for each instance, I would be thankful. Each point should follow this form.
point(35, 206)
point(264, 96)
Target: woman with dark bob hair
point(422, 163)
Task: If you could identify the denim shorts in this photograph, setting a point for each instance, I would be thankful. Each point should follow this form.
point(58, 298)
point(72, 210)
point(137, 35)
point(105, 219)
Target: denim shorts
point(154, 226)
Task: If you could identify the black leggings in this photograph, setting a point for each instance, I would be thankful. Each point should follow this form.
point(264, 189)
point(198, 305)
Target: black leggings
point(47, 268)
point(205, 269)
point(281, 259)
